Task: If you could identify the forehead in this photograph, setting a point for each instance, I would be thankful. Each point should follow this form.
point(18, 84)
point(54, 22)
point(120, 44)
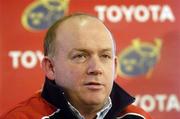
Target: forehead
point(83, 32)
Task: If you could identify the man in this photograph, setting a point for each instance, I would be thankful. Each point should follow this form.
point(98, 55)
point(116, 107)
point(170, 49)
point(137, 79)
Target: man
point(80, 67)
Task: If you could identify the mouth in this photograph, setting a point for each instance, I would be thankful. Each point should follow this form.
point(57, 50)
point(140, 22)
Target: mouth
point(94, 85)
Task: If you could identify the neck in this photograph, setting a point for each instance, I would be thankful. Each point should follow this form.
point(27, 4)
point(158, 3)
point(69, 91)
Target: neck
point(90, 112)
point(92, 116)
point(87, 110)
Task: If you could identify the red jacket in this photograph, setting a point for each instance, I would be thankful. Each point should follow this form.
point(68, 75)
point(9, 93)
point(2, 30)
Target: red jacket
point(51, 104)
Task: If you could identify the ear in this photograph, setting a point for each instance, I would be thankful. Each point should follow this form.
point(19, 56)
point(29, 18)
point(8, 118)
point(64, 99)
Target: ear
point(48, 68)
point(116, 66)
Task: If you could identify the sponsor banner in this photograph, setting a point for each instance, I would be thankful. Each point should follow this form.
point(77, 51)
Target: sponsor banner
point(146, 35)
point(158, 102)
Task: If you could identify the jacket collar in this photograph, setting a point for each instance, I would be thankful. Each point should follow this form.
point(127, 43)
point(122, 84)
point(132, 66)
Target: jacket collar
point(55, 96)
point(120, 100)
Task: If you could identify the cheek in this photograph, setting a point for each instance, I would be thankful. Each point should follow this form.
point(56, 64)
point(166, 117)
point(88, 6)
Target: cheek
point(109, 76)
point(74, 75)
point(68, 76)
point(110, 70)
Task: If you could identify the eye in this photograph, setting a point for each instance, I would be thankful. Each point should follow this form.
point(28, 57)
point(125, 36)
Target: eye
point(106, 56)
point(79, 58)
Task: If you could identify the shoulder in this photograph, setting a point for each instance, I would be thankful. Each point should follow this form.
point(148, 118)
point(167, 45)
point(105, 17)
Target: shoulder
point(33, 106)
point(134, 112)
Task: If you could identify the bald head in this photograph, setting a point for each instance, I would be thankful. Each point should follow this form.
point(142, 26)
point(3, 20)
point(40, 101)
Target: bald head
point(73, 26)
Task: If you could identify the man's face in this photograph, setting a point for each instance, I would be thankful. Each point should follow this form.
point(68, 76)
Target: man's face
point(84, 64)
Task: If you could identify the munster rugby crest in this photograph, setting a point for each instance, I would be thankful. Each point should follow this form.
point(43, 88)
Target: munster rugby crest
point(139, 58)
point(40, 14)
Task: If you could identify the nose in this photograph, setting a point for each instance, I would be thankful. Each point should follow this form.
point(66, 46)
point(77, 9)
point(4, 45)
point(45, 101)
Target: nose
point(94, 66)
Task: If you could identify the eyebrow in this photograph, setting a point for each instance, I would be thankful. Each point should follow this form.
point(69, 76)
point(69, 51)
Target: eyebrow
point(86, 50)
point(108, 49)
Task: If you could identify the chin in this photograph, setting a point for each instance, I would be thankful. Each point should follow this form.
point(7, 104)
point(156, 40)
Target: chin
point(95, 100)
